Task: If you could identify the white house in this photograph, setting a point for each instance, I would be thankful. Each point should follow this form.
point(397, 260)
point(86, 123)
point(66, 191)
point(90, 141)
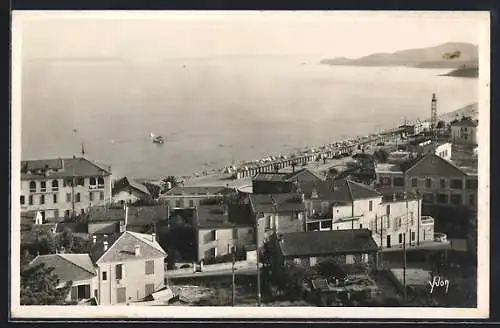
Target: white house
point(464, 131)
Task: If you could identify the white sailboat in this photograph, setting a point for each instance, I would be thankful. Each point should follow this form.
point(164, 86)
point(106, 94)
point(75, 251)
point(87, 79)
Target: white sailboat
point(156, 139)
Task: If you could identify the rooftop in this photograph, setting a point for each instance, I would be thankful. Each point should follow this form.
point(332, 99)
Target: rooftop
point(215, 216)
point(62, 168)
point(317, 243)
point(129, 182)
point(388, 168)
point(269, 203)
point(136, 214)
point(68, 267)
point(198, 190)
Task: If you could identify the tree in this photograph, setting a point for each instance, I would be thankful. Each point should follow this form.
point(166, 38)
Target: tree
point(381, 155)
point(80, 245)
point(440, 125)
point(39, 286)
point(172, 258)
point(170, 179)
point(153, 189)
point(65, 239)
point(45, 243)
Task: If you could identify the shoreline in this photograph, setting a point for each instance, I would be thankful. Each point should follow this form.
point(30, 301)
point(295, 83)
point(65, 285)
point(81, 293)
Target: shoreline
point(224, 176)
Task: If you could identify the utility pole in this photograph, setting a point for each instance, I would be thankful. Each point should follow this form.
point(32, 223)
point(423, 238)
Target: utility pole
point(233, 250)
point(404, 247)
point(258, 268)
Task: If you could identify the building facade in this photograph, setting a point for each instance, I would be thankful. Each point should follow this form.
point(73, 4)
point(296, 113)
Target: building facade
point(277, 183)
point(219, 229)
point(126, 190)
point(130, 267)
point(464, 131)
point(439, 181)
point(59, 188)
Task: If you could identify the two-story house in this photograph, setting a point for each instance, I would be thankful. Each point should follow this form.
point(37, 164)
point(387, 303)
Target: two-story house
point(464, 131)
point(440, 182)
point(390, 218)
point(192, 196)
point(130, 266)
point(277, 213)
point(220, 228)
point(63, 187)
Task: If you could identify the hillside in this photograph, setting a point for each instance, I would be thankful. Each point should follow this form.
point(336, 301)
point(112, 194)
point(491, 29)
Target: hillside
point(472, 72)
point(431, 57)
point(471, 110)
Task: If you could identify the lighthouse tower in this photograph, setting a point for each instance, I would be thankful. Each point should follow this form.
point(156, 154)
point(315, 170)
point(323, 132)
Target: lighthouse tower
point(434, 118)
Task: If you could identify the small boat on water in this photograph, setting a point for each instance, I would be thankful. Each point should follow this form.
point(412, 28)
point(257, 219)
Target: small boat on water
point(157, 139)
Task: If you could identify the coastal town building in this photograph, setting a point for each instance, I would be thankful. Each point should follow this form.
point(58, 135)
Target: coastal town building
point(77, 268)
point(277, 213)
point(63, 187)
point(440, 182)
point(348, 248)
point(192, 196)
point(464, 131)
point(127, 190)
point(357, 206)
point(130, 266)
point(220, 228)
point(276, 183)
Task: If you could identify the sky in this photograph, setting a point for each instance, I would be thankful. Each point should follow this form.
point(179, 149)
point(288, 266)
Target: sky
point(188, 34)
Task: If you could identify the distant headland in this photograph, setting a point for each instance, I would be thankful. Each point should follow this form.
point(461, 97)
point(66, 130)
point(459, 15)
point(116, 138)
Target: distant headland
point(462, 58)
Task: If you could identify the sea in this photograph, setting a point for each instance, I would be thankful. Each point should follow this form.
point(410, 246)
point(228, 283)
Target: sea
point(216, 111)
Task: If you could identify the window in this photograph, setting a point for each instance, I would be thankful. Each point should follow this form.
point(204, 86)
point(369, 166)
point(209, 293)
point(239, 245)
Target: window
point(428, 198)
point(413, 236)
point(68, 198)
point(104, 276)
point(313, 226)
point(399, 182)
point(43, 186)
point(91, 196)
point(67, 182)
point(54, 198)
point(442, 199)
point(80, 182)
point(150, 267)
point(442, 183)
point(77, 198)
point(414, 182)
point(361, 226)
point(388, 210)
point(327, 224)
point(385, 181)
point(370, 205)
point(101, 195)
point(22, 200)
point(428, 183)
point(30, 199)
point(119, 271)
point(349, 259)
point(213, 235)
point(66, 213)
point(400, 221)
point(400, 238)
point(472, 200)
point(100, 182)
point(456, 200)
point(471, 184)
point(456, 184)
point(42, 199)
point(55, 185)
point(32, 186)
point(191, 203)
point(178, 203)
point(92, 181)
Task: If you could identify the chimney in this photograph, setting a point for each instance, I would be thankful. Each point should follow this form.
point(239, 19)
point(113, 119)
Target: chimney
point(153, 237)
point(137, 250)
point(126, 217)
point(94, 239)
point(105, 245)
